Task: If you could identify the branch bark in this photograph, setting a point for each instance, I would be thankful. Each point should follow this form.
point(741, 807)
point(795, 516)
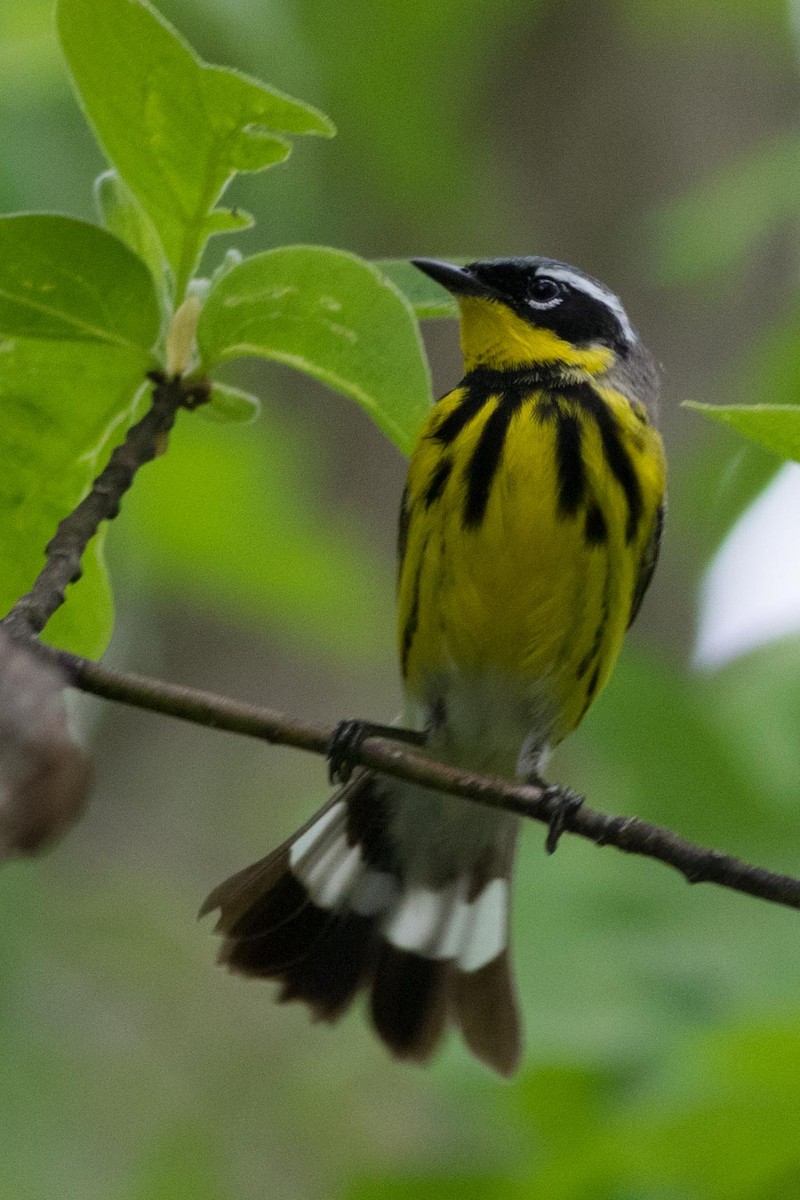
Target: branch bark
point(697, 864)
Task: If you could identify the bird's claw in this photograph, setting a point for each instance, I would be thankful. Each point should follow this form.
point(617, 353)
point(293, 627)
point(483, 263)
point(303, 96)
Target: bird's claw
point(346, 737)
point(567, 803)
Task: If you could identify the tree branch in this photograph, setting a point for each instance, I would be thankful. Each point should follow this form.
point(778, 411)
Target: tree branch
point(696, 863)
point(63, 554)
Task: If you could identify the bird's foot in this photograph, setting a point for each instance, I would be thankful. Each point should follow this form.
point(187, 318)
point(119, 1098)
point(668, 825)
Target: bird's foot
point(348, 736)
point(566, 804)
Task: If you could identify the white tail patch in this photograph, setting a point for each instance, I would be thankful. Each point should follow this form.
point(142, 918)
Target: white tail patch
point(443, 925)
point(323, 861)
point(485, 934)
point(451, 934)
point(334, 872)
point(331, 878)
point(417, 921)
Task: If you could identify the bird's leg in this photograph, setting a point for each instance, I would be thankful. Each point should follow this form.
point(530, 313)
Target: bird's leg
point(348, 736)
point(565, 804)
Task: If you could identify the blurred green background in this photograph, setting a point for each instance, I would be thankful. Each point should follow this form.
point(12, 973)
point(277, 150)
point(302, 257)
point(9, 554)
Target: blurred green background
point(657, 145)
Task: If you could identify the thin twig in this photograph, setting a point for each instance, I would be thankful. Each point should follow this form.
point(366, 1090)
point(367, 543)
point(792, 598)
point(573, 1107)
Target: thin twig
point(696, 863)
point(145, 440)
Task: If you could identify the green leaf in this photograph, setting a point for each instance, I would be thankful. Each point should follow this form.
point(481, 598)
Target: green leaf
point(228, 220)
point(231, 520)
point(69, 280)
point(776, 427)
point(332, 315)
point(230, 404)
point(62, 403)
point(78, 318)
point(123, 215)
point(714, 227)
point(427, 298)
point(176, 129)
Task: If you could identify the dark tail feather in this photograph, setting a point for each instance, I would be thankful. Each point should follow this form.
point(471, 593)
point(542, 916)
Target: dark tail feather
point(333, 970)
point(277, 951)
point(241, 894)
point(410, 1002)
point(485, 1009)
point(329, 913)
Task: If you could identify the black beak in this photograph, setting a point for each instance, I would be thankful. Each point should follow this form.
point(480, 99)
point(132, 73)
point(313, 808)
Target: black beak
point(461, 281)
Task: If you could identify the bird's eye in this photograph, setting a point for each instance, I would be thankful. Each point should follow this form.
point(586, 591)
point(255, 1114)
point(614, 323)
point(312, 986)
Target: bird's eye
point(544, 292)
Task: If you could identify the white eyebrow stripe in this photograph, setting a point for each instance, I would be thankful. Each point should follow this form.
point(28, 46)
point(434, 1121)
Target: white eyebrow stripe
point(595, 290)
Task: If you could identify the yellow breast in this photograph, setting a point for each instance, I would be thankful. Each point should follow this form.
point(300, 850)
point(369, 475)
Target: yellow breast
point(528, 516)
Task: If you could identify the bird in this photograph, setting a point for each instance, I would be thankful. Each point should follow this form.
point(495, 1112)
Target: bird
point(529, 531)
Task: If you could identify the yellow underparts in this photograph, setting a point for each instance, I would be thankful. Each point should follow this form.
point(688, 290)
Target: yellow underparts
point(522, 610)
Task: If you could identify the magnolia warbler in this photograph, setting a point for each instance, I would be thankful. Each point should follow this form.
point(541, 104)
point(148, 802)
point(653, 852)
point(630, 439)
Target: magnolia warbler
point(529, 531)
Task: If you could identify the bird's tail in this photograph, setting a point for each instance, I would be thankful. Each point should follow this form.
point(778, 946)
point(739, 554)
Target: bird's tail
point(341, 907)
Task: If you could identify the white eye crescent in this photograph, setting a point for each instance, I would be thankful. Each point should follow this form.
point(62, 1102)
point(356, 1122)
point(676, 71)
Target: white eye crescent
point(544, 292)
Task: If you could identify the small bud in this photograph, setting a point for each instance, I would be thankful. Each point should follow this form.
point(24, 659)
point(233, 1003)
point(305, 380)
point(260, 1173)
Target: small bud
point(181, 337)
